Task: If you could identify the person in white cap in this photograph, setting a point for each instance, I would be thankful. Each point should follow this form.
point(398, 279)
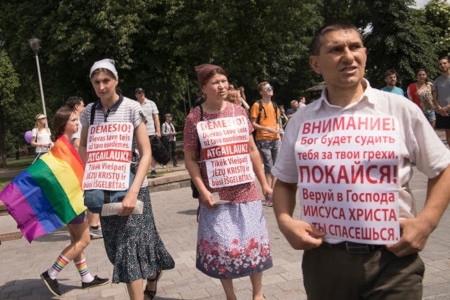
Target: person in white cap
point(131, 241)
point(41, 136)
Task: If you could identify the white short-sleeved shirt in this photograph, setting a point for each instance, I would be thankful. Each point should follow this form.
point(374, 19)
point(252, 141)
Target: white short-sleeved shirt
point(43, 137)
point(77, 134)
point(149, 108)
point(125, 110)
point(418, 141)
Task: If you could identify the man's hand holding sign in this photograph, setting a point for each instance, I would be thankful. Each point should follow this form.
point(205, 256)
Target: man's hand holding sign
point(349, 156)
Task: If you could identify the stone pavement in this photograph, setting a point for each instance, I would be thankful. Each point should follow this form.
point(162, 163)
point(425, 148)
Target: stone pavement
point(175, 213)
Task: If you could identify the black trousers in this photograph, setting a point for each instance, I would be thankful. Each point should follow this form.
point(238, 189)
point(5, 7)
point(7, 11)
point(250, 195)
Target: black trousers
point(334, 273)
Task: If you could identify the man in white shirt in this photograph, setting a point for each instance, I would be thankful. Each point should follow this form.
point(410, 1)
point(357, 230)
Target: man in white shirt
point(169, 135)
point(349, 156)
point(153, 125)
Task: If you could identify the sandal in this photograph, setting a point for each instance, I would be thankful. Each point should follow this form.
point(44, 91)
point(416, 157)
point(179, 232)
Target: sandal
point(147, 292)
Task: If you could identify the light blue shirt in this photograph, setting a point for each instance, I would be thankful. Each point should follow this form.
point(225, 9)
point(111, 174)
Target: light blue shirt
point(395, 90)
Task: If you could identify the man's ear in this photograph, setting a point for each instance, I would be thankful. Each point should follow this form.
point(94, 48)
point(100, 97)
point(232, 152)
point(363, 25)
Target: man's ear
point(313, 62)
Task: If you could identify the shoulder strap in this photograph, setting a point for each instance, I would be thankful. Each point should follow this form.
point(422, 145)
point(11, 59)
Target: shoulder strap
point(93, 112)
point(275, 107)
point(201, 112)
point(259, 111)
point(198, 138)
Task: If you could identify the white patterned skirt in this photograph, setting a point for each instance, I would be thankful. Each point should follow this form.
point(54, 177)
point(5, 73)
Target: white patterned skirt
point(233, 240)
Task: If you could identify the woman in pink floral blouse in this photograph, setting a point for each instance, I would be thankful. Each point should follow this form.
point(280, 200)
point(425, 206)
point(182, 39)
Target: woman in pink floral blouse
point(223, 163)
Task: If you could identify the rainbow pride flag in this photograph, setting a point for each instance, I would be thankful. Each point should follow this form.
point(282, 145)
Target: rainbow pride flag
point(47, 195)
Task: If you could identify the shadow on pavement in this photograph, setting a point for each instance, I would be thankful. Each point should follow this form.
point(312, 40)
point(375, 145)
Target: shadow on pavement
point(190, 212)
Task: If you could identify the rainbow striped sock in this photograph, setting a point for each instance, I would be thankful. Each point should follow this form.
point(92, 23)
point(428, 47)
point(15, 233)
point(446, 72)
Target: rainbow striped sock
point(58, 265)
point(84, 271)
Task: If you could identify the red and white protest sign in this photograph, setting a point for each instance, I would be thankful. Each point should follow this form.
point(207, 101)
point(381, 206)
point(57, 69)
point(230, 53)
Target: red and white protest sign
point(348, 177)
point(108, 156)
point(225, 147)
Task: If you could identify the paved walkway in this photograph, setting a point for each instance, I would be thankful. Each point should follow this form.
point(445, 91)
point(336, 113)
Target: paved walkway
point(175, 213)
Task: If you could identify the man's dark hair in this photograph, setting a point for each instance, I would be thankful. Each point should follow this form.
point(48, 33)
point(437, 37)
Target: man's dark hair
point(73, 101)
point(443, 57)
point(314, 47)
point(390, 72)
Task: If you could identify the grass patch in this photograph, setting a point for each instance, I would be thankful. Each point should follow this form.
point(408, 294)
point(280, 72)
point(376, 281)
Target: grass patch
point(16, 164)
point(4, 182)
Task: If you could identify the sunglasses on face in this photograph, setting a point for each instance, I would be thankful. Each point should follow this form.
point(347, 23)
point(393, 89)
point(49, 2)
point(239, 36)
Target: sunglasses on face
point(269, 88)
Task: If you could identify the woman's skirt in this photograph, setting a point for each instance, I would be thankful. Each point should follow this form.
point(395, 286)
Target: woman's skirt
point(233, 241)
point(133, 244)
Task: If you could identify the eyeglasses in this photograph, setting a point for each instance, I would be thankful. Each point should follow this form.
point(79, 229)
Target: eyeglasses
point(269, 88)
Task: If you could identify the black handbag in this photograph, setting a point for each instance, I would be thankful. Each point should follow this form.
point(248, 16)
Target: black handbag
point(159, 151)
point(195, 193)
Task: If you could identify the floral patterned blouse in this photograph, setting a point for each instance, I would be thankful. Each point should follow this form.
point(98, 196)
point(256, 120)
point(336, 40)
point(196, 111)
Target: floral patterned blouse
point(238, 193)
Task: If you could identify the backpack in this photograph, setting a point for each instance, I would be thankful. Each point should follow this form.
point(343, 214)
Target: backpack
point(261, 108)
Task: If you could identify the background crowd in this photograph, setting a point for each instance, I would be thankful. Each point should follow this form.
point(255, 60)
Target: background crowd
point(408, 36)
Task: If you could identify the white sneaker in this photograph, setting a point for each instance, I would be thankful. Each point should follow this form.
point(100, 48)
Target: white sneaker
point(95, 233)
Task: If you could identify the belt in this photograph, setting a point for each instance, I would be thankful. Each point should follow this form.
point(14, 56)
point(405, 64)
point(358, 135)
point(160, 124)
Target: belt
point(354, 248)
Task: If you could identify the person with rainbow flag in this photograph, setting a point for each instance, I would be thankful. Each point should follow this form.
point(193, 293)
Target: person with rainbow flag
point(48, 195)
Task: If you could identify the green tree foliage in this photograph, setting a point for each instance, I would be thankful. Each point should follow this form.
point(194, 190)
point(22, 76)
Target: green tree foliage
point(437, 14)
point(396, 35)
point(252, 40)
point(157, 43)
point(352, 11)
point(398, 39)
point(9, 82)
